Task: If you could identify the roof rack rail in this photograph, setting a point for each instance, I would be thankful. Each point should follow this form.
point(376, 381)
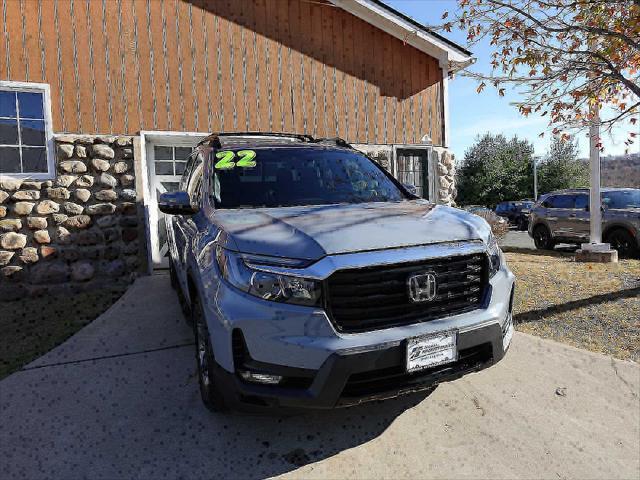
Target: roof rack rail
point(335, 141)
point(214, 138)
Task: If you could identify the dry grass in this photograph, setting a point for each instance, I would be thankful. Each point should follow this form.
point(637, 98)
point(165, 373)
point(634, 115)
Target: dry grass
point(32, 326)
point(592, 306)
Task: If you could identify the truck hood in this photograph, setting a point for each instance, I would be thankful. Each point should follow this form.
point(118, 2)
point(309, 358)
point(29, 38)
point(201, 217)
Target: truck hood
point(312, 232)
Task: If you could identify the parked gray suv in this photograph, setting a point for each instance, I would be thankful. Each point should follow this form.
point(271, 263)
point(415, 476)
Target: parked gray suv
point(315, 280)
point(563, 217)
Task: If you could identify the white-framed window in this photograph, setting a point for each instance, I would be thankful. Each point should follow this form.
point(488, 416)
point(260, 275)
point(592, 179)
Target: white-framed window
point(170, 160)
point(26, 133)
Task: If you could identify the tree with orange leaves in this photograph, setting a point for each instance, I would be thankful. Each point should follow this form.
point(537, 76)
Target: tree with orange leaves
point(567, 55)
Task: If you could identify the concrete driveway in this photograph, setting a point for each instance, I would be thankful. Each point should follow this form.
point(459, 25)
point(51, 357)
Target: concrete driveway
point(120, 400)
point(515, 239)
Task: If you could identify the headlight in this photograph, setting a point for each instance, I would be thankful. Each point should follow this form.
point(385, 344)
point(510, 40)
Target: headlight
point(494, 253)
point(266, 285)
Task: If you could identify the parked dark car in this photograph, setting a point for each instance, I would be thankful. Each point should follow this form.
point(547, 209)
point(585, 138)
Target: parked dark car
point(516, 213)
point(563, 217)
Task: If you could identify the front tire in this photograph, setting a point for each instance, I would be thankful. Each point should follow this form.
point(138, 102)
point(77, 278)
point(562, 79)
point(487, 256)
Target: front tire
point(622, 241)
point(542, 238)
point(205, 360)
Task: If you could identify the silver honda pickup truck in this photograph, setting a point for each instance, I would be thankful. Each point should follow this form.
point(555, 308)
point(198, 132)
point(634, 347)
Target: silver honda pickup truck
point(314, 279)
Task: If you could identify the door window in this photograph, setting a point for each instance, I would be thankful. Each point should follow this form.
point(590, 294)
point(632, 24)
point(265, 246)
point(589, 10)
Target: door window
point(560, 201)
point(582, 201)
point(194, 160)
point(621, 199)
point(194, 187)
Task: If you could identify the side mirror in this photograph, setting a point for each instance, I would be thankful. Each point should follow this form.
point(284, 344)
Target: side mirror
point(176, 203)
point(410, 188)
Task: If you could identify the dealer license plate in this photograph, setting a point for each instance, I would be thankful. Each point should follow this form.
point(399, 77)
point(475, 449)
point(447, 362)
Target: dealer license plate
point(431, 350)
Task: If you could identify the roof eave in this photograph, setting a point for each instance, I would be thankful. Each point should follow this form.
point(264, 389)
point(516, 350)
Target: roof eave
point(457, 66)
point(451, 56)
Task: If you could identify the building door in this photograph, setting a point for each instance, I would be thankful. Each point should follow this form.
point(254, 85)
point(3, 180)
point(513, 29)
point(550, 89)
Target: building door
point(166, 155)
point(412, 166)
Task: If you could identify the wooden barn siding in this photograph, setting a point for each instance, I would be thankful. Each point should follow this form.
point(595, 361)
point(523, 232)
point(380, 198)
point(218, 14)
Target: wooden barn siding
point(119, 66)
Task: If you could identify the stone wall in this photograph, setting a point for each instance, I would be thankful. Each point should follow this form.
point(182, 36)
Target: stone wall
point(77, 231)
point(446, 176)
point(443, 159)
point(382, 154)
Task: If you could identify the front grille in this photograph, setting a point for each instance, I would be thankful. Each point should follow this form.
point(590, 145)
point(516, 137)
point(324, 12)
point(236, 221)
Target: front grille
point(371, 298)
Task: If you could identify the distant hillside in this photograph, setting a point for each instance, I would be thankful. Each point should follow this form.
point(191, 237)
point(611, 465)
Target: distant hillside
point(621, 171)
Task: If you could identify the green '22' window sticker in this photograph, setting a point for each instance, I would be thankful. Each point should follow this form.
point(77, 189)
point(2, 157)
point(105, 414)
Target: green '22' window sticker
point(245, 159)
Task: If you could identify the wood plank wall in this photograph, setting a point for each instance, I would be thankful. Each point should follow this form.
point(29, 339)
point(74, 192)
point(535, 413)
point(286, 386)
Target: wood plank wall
point(120, 66)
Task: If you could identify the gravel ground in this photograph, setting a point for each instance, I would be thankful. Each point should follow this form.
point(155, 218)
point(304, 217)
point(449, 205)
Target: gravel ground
point(587, 305)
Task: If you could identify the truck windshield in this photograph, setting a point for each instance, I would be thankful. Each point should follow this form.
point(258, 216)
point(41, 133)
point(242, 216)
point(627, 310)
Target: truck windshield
point(283, 177)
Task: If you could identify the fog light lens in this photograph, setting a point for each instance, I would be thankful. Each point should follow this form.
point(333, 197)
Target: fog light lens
point(265, 378)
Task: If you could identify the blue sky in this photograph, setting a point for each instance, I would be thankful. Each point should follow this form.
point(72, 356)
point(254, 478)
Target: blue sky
point(472, 113)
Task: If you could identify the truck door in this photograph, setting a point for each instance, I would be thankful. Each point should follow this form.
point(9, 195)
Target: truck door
point(557, 210)
point(565, 214)
point(580, 224)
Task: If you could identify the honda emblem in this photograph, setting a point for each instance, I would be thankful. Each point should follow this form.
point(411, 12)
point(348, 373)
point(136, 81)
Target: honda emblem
point(422, 287)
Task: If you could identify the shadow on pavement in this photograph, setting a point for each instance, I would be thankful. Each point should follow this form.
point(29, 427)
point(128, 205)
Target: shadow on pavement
point(295, 441)
point(120, 399)
point(141, 416)
point(539, 314)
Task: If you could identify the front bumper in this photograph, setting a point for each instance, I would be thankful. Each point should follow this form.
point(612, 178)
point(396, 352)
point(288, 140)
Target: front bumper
point(304, 337)
point(347, 379)
point(329, 368)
